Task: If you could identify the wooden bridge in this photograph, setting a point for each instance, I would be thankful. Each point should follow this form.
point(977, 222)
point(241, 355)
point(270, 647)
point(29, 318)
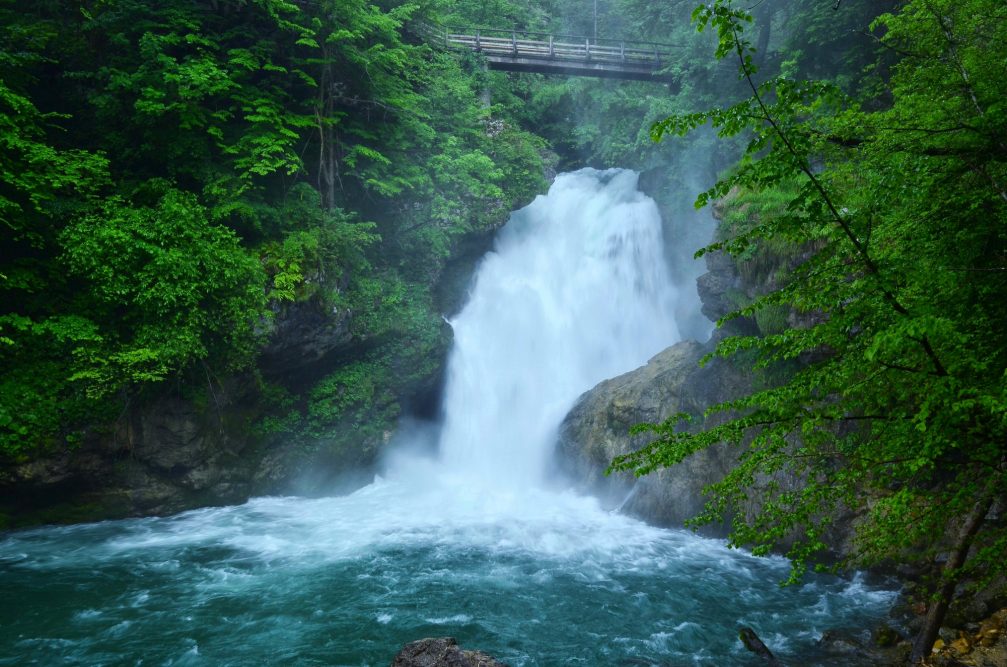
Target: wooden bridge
point(520, 51)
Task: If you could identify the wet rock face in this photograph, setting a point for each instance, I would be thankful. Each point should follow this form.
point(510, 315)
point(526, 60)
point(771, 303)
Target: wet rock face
point(717, 284)
point(175, 454)
point(168, 457)
point(303, 334)
point(441, 652)
point(597, 430)
point(456, 277)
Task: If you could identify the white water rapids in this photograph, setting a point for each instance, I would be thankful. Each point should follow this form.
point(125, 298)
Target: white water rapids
point(473, 543)
point(576, 291)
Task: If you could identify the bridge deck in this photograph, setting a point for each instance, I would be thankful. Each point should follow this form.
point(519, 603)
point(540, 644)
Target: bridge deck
point(518, 51)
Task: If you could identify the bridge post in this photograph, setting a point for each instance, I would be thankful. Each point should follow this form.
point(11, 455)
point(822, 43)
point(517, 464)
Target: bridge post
point(513, 42)
point(622, 50)
point(587, 47)
point(552, 50)
point(478, 45)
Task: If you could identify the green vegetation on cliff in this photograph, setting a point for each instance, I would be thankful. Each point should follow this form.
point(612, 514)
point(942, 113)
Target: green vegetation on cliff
point(177, 173)
point(899, 409)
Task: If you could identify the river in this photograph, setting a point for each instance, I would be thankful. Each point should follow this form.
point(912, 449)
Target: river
point(478, 541)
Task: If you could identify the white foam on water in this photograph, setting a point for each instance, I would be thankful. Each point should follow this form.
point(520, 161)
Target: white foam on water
point(575, 291)
point(449, 620)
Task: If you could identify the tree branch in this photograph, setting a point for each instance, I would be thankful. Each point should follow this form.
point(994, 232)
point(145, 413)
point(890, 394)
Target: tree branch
point(865, 258)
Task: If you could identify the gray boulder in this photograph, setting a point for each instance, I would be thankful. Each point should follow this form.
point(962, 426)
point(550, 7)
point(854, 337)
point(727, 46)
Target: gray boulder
point(597, 430)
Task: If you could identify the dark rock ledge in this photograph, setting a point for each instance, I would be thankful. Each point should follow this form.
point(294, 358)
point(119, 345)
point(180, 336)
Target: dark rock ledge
point(441, 652)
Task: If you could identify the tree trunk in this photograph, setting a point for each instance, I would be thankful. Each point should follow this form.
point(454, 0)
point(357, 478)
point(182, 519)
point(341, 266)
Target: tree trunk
point(328, 165)
point(950, 576)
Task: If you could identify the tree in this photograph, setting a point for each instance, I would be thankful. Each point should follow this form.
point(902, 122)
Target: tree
point(176, 173)
point(899, 405)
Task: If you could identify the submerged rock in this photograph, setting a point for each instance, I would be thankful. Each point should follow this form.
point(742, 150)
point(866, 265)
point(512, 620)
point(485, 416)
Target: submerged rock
point(863, 648)
point(756, 646)
point(441, 652)
point(839, 642)
point(885, 636)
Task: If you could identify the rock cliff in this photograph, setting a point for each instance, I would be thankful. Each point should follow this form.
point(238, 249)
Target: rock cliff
point(219, 441)
point(597, 430)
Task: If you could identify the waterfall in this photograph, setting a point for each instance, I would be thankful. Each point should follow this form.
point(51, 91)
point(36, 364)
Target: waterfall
point(575, 291)
point(471, 544)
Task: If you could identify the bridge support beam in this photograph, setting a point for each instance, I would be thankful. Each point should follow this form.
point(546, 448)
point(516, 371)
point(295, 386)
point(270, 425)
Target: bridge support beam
point(592, 68)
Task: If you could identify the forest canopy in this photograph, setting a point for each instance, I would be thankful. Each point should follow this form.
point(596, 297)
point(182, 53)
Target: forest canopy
point(175, 172)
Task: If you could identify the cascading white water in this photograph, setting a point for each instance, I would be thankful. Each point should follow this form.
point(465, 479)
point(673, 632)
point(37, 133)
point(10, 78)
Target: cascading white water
point(575, 291)
point(468, 545)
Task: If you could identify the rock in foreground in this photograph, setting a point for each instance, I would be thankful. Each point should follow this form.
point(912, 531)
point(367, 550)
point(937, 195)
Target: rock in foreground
point(441, 652)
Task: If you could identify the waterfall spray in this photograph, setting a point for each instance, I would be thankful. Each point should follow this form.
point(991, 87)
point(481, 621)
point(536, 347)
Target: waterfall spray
point(576, 291)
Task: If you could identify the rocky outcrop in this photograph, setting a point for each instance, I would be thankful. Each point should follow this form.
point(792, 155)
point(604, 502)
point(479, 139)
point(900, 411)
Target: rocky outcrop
point(720, 287)
point(453, 286)
point(169, 456)
point(199, 444)
point(441, 652)
point(303, 334)
point(597, 430)
point(180, 451)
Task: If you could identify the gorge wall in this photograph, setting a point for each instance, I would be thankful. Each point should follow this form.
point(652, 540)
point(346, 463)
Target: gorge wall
point(183, 449)
point(597, 429)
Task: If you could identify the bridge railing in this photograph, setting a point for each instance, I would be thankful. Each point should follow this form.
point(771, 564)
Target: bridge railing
point(545, 45)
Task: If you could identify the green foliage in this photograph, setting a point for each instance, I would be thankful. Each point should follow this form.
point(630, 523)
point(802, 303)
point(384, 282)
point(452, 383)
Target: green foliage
point(762, 260)
point(771, 319)
point(900, 409)
point(319, 252)
point(149, 292)
point(348, 394)
point(174, 172)
point(169, 288)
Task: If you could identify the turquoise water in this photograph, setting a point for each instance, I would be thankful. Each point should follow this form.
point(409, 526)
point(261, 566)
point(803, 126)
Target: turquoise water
point(473, 543)
point(347, 581)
